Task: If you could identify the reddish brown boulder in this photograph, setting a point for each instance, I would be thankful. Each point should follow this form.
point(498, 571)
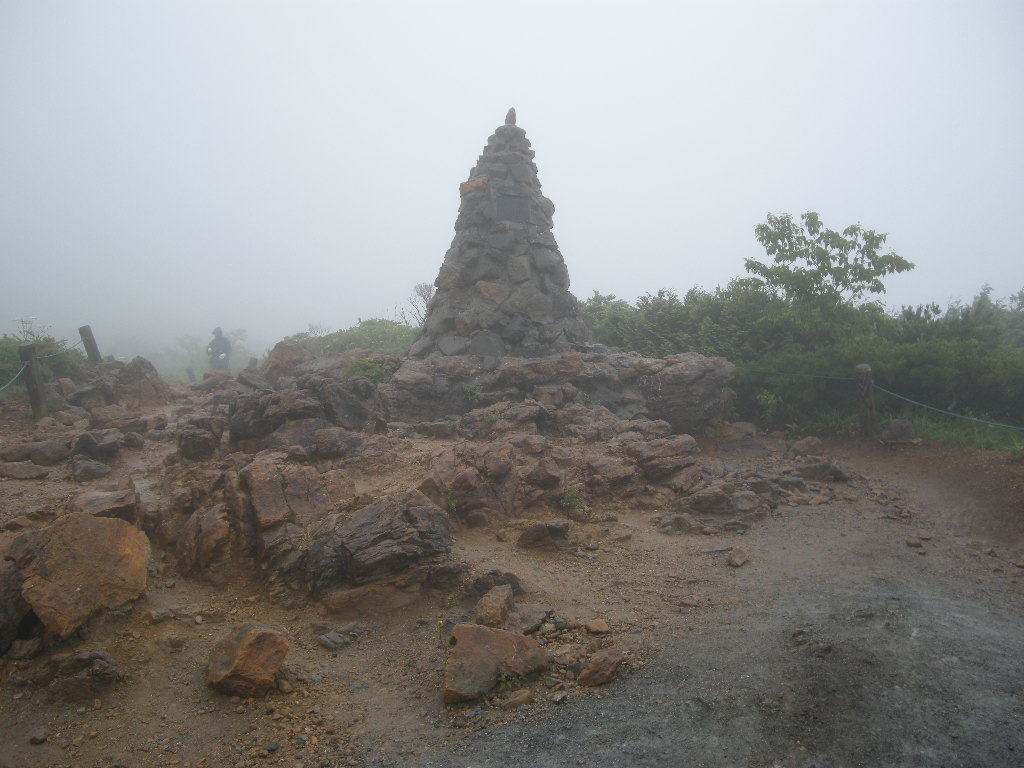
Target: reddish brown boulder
point(493, 609)
point(78, 566)
point(481, 654)
point(246, 661)
point(602, 667)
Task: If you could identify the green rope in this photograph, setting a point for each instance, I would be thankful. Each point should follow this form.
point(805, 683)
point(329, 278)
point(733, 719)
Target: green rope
point(797, 375)
point(948, 413)
point(20, 371)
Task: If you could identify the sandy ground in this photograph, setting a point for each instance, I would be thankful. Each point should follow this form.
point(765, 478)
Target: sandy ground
point(882, 627)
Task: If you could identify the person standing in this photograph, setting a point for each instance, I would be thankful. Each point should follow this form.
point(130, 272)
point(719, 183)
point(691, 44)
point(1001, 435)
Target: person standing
point(218, 350)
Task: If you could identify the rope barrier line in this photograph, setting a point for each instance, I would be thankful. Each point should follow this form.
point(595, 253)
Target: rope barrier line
point(20, 371)
point(949, 413)
point(54, 354)
point(886, 391)
point(797, 375)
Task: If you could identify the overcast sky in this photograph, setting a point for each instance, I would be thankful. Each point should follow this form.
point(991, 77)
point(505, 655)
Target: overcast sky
point(170, 166)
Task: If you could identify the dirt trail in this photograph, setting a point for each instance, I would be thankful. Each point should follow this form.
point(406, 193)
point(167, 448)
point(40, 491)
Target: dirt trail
point(836, 644)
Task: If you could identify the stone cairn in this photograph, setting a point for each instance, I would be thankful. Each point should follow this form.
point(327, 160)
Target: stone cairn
point(503, 289)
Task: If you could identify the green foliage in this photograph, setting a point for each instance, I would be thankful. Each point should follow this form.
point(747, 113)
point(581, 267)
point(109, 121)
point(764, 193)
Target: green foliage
point(366, 369)
point(508, 682)
point(812, 262)
point(797, 327)
point(493, 417)
point(57, 358)
point(376, 334)
point(571, 499)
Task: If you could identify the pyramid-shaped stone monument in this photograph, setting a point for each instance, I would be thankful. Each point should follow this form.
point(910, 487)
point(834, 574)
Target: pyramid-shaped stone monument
point(503, 289)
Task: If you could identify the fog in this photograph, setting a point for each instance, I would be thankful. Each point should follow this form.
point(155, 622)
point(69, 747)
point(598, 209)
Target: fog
point(168, 167)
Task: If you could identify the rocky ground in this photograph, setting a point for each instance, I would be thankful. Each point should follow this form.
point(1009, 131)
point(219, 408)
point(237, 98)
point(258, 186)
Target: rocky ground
point(867, 618)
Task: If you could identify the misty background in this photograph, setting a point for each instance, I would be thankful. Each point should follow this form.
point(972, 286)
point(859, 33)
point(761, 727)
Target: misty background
point(168, 167)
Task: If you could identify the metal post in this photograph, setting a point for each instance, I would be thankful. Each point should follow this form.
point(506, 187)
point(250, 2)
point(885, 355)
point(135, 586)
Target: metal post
point(33, 380)
point(866, 389)
point(89, 342)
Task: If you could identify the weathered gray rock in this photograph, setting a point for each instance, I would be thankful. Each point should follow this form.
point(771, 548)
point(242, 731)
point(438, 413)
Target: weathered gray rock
point(550, 535)
point(384, 538)
point(99, 444)
point(22, 470)
point(82, 674)
point(84, 470)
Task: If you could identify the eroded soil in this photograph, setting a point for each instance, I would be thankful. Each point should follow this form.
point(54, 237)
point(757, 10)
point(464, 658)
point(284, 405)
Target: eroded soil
point(880, 625)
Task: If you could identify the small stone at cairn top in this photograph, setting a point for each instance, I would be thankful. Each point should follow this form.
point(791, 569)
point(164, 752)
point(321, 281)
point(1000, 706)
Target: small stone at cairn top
point(503, 289)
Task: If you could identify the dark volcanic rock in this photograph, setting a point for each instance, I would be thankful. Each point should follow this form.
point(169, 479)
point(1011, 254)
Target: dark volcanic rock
point(384, 538)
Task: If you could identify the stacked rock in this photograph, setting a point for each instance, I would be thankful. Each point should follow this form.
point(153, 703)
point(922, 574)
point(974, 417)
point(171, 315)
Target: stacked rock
point(503, 289)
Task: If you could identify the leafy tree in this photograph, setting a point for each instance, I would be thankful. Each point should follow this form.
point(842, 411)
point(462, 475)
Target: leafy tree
point(812, 262)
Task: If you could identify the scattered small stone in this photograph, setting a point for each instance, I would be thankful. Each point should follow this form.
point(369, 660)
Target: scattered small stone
point(37, 737)
point(334, 640)
point(597, 627)
point(914, 543)
point(518, 699)
point(738, 557)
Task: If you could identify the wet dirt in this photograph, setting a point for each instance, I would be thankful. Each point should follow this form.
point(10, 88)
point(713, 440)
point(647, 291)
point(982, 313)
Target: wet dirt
point(881, 626)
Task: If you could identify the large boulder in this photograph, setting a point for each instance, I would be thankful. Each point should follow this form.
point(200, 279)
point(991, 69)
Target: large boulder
point(80, 565)
point(481, 654)
point(379, 540)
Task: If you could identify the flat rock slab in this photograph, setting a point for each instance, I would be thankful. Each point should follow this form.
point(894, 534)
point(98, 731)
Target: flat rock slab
point(22, 470)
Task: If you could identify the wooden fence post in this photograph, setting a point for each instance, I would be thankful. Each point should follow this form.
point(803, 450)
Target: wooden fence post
point(253, 362)
point(866, 389)
point(33, 380)
point(191, 374)
point(89, 342)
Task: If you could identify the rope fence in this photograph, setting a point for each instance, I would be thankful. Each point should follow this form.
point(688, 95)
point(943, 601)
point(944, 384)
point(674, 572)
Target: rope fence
point(875, 387)
point(16, 376)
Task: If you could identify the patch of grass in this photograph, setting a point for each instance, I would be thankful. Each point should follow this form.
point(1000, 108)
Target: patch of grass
point(571, 499)
point(366, 369)
point(938, 428)
point(493, 417)
point(509, 682)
